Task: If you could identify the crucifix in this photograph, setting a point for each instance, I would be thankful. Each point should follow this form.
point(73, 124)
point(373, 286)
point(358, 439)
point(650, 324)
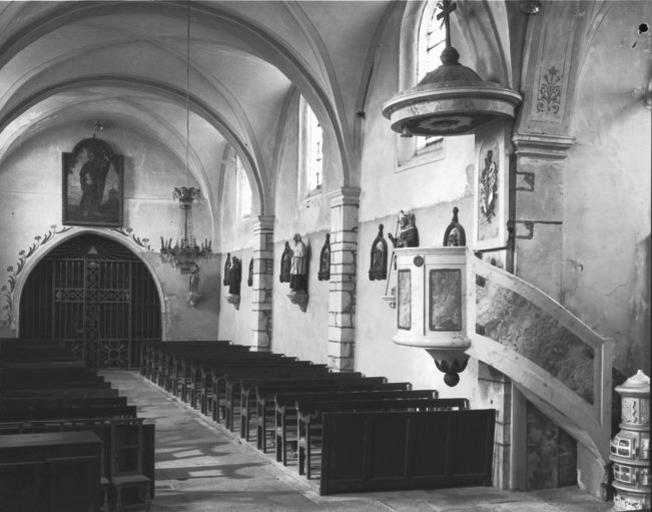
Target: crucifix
point(446, 7)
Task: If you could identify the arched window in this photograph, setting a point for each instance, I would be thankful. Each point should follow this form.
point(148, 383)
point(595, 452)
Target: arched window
point(243, 189)
point(431, 42)
point(311, 142)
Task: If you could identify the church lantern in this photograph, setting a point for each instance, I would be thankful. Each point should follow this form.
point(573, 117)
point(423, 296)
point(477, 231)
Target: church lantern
point(630, 448)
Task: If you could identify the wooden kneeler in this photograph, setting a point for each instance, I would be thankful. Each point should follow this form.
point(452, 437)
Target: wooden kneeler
point(127, 465)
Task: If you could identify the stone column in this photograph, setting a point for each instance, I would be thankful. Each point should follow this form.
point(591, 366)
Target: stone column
point(344, 204)
point(261, 293)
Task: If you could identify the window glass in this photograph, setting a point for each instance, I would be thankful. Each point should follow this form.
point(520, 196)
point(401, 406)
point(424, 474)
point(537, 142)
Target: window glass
point(432, 41)
point(312, 142)
point(243, 189)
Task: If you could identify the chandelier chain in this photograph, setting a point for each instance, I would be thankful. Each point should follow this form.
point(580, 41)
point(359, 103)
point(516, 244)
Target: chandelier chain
point(187, 85)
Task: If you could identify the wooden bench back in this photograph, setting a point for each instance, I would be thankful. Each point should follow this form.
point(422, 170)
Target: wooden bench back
point(380, 451)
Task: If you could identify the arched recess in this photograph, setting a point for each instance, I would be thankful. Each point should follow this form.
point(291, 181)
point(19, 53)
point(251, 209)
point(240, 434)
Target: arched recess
point(252, 37)
point(116, 236)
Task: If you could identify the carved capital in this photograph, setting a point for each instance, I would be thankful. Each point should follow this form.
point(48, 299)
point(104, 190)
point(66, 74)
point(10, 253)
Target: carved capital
point(344, 196)
point(264, 224)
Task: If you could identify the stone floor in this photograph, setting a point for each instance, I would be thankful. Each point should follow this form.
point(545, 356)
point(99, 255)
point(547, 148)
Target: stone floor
point(201, 467)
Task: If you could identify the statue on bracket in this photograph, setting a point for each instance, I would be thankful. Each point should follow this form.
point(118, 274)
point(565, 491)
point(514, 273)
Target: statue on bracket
point(325, 260)
point(286, 262)
point(455, 235)
point(227, 267)
point(378, 265)
point(250, 276)
point(408, 234)
point(299, 273)
point(193, 286)
point(235, 278)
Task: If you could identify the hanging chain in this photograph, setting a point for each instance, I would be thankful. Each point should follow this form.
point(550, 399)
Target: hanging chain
point(187, 86)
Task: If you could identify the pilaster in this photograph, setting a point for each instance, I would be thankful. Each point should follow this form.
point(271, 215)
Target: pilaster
point(344, 204)
point(261, 293)
point(495, 391)
point(538, 209)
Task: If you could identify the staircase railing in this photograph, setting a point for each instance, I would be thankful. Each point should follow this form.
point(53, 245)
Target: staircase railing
point(559, 363)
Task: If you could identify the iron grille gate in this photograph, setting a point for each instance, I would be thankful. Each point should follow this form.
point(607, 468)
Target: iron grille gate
point(101, 305)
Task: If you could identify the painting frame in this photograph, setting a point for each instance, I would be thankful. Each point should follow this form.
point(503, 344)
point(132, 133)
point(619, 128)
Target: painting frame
point(92, 185)
point(490, 188)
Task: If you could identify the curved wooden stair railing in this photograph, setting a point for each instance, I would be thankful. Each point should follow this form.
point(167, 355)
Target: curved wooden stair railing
point(558, 362)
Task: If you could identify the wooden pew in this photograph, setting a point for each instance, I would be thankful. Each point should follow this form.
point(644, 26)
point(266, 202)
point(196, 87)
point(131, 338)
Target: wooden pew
point(187, 367)
point(52, 402)
point(247, 405)
point(290, 406)
point(44, 392)
point(159, 360)
point(50, 472)
point(18, 377)
point(59, 392)
point(272, 371)
point(204, 373)
point(64, 365)
point(159, 357)
point(310, 417)
point(261, 369)
point(21, 413)
point(170, 360)
point(115, 434)
point(266, 391)
point(97, 382)
point(177, 369)
point(376, 451)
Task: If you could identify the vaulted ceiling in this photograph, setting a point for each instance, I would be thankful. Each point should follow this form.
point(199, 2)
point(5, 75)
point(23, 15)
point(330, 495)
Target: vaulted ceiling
point(125, 63)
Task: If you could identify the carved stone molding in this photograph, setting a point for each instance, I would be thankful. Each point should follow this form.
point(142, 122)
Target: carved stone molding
point(553, 147)
point(345, 196)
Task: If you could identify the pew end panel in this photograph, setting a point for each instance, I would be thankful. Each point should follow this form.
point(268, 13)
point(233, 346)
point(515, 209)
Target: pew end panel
point(380, 451)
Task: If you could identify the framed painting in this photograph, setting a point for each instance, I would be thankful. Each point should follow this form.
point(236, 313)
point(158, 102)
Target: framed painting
point(93, 185)
point(490, 188)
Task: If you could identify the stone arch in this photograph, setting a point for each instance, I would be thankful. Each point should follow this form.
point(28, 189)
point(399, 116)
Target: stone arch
point(257, 39)
point(195, 104)
point(117, 235)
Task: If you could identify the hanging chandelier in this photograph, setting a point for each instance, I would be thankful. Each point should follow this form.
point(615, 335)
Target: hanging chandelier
point(185, 251)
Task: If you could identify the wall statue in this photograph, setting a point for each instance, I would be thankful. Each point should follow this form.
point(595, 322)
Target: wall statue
point(234, 280)
point(227, 266)
point(286, 261)
point(408, 234)
point(455, 236)
point(235, 276)
point(299, 266)
point(325, 260)
point(250, 275)
point(378, 261)
point(193, 287)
